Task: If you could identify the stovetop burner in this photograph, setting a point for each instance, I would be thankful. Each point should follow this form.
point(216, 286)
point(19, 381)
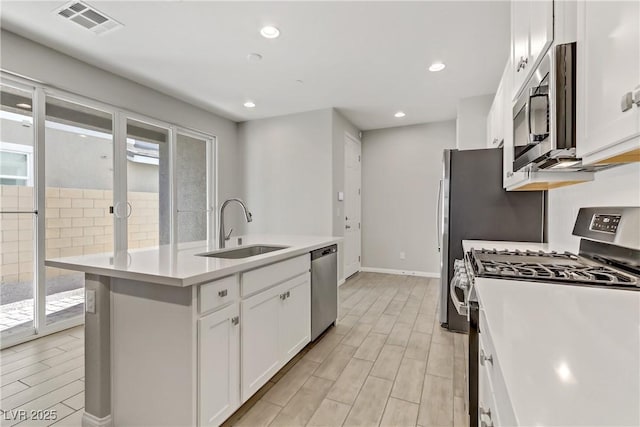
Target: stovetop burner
point(549, 267)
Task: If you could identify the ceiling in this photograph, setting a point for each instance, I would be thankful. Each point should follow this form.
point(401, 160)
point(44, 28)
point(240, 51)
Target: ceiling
point(368, 59)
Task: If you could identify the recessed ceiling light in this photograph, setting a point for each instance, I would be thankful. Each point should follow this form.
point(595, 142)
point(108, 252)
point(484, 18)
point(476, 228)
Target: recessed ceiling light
point(437, 66)
point(254, 57)
point(83, 135)
point(270, 32)
point(249, 104)
point(399, 114)
point(23, 105)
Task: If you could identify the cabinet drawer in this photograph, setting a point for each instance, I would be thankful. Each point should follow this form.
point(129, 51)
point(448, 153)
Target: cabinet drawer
point(216, 294)
point(264, 277)
point(490, 364)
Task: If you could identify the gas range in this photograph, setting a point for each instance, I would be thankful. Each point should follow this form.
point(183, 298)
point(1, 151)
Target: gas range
point(549, 267)
point(609, 254)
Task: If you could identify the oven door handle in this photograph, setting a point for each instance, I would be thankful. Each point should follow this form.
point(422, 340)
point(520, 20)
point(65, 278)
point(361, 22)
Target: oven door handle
point(461, 308)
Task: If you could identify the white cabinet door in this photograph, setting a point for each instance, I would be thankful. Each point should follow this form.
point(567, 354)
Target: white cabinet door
point(519, 43)
point(295, 316)
point(219, 359)
point(261, 351)
point(531, 36)
point(540, 30)
point(608, 68)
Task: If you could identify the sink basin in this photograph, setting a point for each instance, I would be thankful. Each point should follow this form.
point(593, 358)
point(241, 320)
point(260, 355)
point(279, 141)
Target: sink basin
point(243, 252)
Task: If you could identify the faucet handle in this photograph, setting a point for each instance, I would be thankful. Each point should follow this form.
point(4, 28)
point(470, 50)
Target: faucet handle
point(228, 236)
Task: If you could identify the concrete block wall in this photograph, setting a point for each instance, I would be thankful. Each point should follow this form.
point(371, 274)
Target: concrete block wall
point(78, 222)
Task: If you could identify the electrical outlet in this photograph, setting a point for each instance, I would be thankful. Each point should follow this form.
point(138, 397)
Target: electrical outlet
point(402, 255)
point(90, 301)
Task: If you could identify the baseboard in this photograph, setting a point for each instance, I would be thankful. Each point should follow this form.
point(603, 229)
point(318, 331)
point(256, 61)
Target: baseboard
point(401, 272)
point(89, 420)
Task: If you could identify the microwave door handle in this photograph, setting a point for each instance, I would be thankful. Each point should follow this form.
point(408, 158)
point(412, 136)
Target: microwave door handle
point(527, 114)
point(533, 135)
point(439, 216)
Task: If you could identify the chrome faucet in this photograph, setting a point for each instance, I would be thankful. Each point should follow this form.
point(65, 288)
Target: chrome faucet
point(222, 236)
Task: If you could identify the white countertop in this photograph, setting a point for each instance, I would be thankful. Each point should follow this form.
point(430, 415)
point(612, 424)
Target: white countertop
point(569, 355)
point(180, 266)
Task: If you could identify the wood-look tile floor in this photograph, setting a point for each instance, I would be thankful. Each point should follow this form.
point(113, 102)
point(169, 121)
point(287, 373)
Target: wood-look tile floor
point(387, 362)
point(47, 375)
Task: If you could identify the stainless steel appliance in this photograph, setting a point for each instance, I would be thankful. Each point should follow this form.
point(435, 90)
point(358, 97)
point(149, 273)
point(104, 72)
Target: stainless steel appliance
point(473, 205)
point(544, 115)
point(324, 289)
point(608, 257)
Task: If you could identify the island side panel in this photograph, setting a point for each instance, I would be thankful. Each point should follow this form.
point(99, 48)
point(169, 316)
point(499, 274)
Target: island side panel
point(97, 354)
point(154, 354)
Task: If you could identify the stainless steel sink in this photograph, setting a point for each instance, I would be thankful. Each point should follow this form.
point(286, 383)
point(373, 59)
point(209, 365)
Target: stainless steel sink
point(243, 252)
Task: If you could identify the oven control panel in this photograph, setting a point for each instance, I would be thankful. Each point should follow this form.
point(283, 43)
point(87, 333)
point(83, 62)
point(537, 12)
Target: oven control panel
point(605, 223)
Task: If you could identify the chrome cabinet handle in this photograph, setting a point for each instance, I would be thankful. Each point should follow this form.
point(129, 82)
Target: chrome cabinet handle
point(522, 64)
point(626, 103)
point(285, 295)
point(486, 412)
point(485, 358)
point(235, 320)
point(347, 227)
point(222, 293)
point(636, 96)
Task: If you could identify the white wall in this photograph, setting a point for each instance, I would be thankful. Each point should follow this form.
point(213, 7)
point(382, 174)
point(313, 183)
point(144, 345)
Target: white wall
point(287, 173)
point(26, 58)
point(618, 186)
point(401, 170)
point(471, 122)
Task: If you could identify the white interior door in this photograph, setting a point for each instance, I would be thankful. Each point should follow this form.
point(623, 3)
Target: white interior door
point(352, 206)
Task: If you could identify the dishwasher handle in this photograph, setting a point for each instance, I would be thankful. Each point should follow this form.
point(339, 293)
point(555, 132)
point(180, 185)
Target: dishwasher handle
point(318, 253)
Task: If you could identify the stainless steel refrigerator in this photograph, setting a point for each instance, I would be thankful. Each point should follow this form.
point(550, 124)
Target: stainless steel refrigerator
point(472, 205)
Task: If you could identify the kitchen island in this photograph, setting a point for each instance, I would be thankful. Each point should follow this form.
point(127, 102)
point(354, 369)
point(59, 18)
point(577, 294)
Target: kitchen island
point(554, 354)
point(174, 338)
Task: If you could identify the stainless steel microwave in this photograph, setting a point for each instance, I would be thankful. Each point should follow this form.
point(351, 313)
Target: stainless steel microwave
point(544, 114)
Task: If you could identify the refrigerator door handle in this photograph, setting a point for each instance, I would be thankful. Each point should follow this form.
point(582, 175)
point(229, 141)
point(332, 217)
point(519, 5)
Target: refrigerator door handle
point(439, 216)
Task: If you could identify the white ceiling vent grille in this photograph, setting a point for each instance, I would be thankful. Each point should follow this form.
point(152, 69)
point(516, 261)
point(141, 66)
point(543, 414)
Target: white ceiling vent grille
point(88, 17)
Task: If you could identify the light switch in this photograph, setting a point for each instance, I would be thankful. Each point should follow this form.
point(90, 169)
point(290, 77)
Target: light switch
point(90, 301)
point(340, 196)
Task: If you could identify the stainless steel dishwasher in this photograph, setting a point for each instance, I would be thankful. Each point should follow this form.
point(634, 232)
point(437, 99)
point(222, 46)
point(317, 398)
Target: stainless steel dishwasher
point(324, 289)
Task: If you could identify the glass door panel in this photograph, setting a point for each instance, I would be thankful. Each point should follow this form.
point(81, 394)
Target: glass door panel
point(192, 182)
point(148, 185)
point(17, 213)
point(79, 192)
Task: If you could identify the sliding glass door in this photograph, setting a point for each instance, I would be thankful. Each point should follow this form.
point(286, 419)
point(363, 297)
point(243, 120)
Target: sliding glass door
point(79, 192)
point(194, 193)
point(18, 214)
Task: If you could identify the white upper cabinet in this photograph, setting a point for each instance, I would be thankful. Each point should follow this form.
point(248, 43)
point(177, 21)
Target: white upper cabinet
point(531, 36)
point(499, 112)
point(608, 77)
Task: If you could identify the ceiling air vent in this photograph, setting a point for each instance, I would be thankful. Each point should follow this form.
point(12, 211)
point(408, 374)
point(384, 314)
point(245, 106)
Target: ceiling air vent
point(88, 17)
